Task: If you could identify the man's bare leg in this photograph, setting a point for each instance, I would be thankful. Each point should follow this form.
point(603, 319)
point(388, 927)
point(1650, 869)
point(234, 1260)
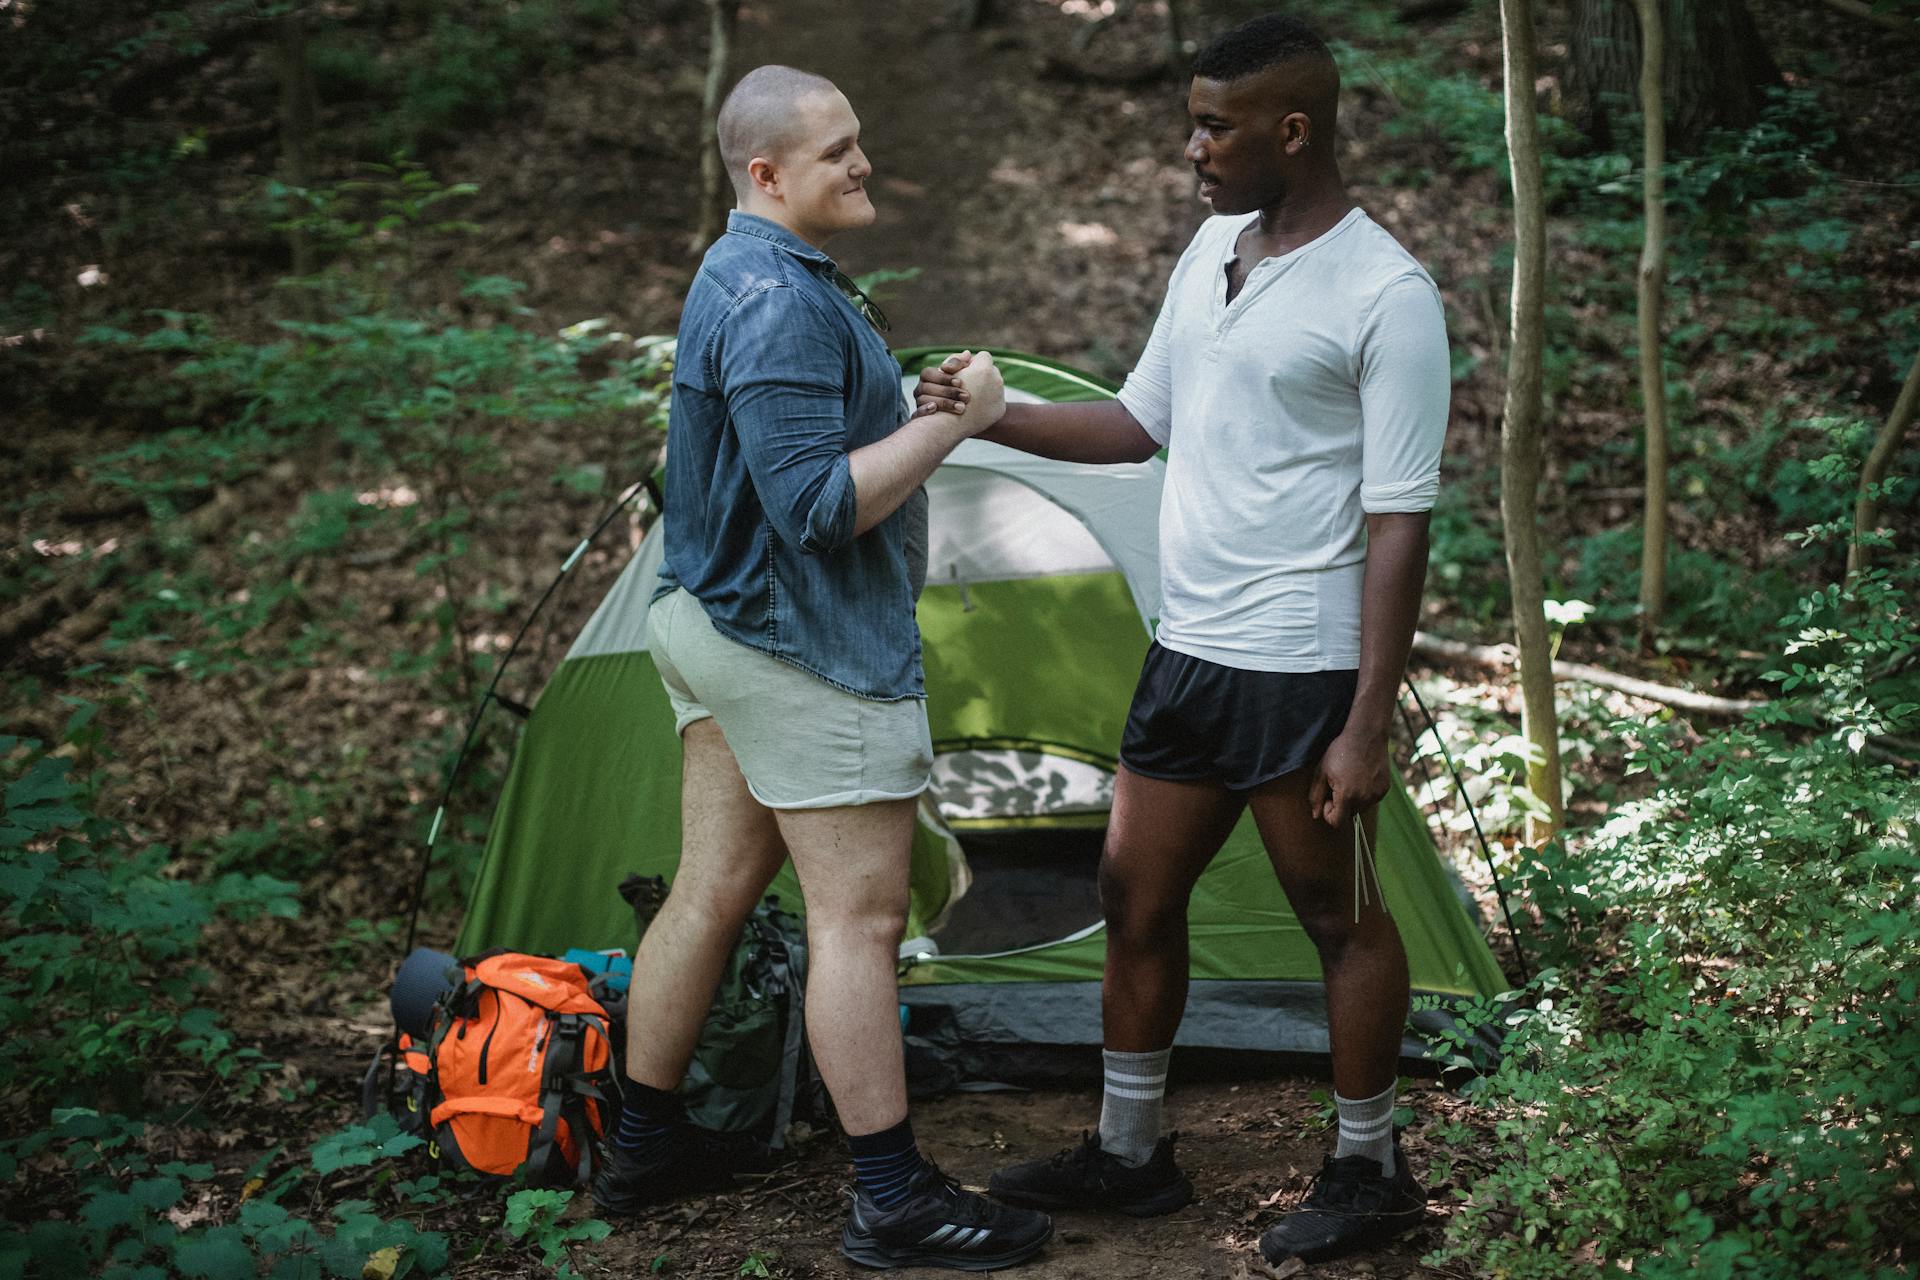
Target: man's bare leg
point(1160, 837)
point(730, 850)
point(852, 864)
point(1363, 961)
point(1367, 1193)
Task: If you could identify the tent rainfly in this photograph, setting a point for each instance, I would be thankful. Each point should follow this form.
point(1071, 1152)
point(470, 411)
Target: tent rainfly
point(1042, 593)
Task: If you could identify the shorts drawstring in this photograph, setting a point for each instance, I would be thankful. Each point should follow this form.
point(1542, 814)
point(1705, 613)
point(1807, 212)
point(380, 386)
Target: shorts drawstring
point(1363, 866)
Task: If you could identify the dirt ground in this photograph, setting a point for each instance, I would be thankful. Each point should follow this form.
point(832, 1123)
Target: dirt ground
point(1249, 1147)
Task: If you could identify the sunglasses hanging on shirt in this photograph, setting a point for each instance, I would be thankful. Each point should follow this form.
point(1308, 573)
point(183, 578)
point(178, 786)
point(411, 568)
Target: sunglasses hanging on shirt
point(862, 303)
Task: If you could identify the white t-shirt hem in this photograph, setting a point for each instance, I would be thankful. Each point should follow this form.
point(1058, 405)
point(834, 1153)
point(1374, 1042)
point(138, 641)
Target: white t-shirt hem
point(1241, 660)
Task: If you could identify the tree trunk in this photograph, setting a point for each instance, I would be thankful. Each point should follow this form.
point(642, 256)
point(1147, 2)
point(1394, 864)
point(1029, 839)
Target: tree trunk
point(1866, 507)
point(1716, 75)
point(1177, 26)
point(1520, 420)
point(1652, 283)
point(297, 113)
point(725, 15)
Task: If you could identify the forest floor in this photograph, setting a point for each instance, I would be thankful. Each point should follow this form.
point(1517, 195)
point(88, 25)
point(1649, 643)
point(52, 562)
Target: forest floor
point(1043, 213)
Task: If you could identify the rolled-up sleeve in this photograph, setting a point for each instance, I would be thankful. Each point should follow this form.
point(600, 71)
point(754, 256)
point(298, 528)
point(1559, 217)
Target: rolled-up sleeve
point(1405, 381)
point(1147, 393)
point(783, 373)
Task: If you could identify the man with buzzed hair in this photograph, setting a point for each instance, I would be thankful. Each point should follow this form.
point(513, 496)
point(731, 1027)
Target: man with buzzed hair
point(783, 628)
point(758, 117)
point(1298, 377)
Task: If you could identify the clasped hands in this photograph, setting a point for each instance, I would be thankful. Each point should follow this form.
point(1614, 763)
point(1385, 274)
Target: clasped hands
point(967, 384)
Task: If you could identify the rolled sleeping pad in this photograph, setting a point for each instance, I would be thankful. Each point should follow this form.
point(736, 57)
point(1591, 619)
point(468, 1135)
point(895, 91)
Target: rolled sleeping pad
point(424, 977)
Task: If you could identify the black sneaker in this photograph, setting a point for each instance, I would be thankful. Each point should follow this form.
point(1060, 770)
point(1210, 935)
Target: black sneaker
point(1085, 1177)
point(625, 1185)
point(695, 1160)
point(1350, 1205)
point(939, 1225)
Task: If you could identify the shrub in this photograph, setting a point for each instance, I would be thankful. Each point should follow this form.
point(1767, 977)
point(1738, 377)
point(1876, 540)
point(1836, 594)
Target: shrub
point(97, 942)
point(1721, 1082)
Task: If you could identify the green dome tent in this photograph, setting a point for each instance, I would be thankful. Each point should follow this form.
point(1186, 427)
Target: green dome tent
point(1043, 586)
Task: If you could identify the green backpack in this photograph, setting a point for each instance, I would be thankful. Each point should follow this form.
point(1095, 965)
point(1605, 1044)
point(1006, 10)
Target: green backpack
point(751, 1066)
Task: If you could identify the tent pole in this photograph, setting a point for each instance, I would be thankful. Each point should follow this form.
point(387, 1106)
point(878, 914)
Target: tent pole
point(644, 485)
point(1486, 851)
point(1426, 764)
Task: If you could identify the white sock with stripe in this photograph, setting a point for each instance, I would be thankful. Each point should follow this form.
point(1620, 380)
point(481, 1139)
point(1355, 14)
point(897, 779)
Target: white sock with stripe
point(1366, 1127)
point(1130, 1108)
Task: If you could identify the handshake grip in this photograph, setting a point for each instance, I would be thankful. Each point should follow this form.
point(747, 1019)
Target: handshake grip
point(967, 384)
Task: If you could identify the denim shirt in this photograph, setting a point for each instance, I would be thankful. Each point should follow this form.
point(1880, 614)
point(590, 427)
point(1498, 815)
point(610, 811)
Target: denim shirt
point(776, 378)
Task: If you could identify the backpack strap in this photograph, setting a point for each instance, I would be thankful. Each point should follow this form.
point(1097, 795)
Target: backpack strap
point(371, 1100)
point(564, 1087)
point(795, 1049)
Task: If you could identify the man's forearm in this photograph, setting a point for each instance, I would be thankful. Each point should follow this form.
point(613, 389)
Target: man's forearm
point(1094, 431)
point(886, 472)
point(1396, 573)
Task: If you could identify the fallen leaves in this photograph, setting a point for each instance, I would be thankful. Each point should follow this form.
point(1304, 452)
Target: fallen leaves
point(381, 1264)
point(1258, 1268)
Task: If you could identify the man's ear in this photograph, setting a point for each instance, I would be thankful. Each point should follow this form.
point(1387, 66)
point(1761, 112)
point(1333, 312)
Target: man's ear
point(764, 176)
point(1296, 131)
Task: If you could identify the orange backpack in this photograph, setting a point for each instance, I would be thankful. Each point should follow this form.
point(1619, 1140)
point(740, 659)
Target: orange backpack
point(515, 1070)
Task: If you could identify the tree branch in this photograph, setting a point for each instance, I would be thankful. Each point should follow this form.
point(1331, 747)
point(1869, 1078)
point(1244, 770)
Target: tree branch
point(1502, 657)
point(1866, 506)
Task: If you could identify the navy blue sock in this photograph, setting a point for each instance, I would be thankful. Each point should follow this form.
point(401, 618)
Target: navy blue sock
point(884, 1163)
point(647, 1118)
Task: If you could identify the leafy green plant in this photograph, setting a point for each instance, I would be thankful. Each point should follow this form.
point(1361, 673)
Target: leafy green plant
point(397, 416)
point(534, 1215)
point(141, 1219)
point(461, 65)
point(1709, 1084)
point(97, 940)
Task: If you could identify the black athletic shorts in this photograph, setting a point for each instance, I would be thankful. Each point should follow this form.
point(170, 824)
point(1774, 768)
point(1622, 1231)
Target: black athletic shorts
point(1197, 721)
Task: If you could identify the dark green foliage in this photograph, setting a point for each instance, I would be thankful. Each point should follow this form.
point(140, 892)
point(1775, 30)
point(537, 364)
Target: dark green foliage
point(386, 418)
point(1765, 260)
point(97, 941)
point(124, 1228)
point(97, 996)
point(464, 65)
point(1719, 1079)
point(393, 411)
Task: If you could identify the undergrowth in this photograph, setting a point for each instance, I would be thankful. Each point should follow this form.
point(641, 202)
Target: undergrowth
point(1716, 1077)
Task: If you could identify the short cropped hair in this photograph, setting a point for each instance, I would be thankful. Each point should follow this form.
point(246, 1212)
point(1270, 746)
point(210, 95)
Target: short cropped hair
point(757, 117)
point(1259, 43)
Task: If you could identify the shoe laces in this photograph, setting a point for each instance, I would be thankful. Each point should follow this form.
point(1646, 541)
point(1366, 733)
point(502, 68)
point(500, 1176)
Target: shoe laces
point(1348, 1185)
point(1072, 1157)
point(963, 1207)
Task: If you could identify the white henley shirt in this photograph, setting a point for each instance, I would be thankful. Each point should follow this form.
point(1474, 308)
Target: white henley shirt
point(1318, 396)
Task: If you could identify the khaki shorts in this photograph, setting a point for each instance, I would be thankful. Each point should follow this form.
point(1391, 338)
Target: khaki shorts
point(800, 742)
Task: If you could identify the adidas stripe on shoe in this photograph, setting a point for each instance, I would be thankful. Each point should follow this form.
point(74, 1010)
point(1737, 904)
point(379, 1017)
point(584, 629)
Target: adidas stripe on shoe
point(939, 1225)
